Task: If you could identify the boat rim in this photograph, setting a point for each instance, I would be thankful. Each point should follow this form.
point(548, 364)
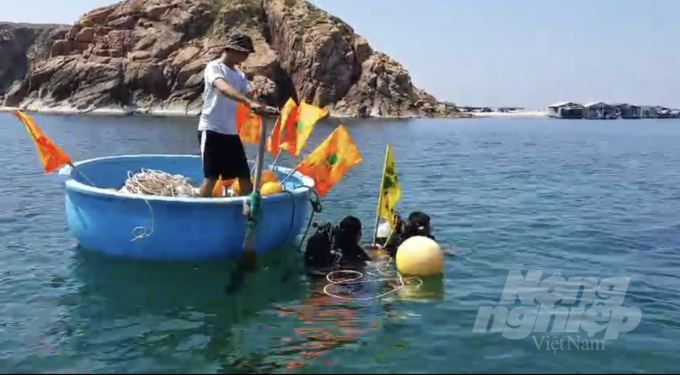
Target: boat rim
point(73, 185)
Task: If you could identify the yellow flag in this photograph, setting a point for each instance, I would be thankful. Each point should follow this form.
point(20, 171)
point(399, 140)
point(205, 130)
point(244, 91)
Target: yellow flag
point(390, 191)
point(331, 160)
point(307, 117)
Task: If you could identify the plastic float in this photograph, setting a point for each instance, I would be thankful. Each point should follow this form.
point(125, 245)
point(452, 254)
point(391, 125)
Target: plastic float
point(176, 228)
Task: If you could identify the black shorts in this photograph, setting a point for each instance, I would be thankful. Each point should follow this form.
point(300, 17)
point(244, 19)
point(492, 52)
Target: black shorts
point(223, 155)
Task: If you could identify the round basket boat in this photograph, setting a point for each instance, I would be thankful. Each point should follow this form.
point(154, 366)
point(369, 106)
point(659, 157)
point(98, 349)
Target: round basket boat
point(180, 228)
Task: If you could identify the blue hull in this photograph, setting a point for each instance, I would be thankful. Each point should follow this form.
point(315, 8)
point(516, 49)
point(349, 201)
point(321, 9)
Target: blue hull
point(183, 228)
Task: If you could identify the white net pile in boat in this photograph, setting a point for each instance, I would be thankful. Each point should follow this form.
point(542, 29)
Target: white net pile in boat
point(153, 182)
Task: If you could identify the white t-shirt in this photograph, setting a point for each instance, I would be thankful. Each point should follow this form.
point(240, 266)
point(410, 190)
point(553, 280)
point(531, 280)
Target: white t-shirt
point(219, 112)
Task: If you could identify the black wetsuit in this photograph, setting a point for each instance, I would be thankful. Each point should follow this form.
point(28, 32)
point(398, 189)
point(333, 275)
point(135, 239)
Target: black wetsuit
point(353, 256)
point(323, 255)
point(319, 252)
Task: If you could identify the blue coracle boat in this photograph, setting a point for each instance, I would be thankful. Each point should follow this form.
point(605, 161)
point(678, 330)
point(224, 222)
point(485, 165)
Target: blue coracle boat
point(180, 228)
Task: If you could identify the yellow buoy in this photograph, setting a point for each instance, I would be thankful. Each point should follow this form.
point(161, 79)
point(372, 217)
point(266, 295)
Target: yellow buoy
point(420, 256)
point(270, 188)
point(269, 176)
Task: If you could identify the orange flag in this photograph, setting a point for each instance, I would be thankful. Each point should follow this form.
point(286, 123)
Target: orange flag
point(331, 160)
point(307, 117)
point(242, 114)
point(284, 134)
point(248, 124)
point(50, 154)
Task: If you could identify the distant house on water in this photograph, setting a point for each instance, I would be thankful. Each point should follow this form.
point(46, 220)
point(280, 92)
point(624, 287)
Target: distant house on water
point(600, 111)
point(663, 112)
point(606, 111)
point(629, 111)
point(566, 110)
point(648, 111)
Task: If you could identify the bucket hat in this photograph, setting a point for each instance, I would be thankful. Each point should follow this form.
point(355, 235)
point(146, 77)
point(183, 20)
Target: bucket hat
point(239, 41)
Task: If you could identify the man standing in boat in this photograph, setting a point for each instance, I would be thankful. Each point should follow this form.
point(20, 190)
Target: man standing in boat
point(222, 151)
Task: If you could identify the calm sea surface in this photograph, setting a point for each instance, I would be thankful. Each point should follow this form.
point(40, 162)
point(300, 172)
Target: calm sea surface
point(582, 198)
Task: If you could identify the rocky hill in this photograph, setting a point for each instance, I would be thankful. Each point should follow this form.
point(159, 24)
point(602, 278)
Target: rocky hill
point(20, 44)
point(148, 55)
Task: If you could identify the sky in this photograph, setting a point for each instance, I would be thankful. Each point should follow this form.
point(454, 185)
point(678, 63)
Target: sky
point(527, 53)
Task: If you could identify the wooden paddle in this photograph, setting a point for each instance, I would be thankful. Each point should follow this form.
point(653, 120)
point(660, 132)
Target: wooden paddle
point(252, 212)
point(255, 199)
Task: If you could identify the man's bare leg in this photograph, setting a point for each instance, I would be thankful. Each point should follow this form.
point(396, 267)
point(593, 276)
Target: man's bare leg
point(207, 187)
point(246, 186)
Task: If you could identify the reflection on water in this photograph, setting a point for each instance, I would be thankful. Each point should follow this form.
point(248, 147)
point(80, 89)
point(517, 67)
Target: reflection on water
point(324, 323)
point(180, 312)
point(129, 288)
point(121, 313)
point(176, 310)
point(430, 290)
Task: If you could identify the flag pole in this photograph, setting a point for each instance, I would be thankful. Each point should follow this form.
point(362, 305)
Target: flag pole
point(276, 160)
point(255, 194)
point(73, 167)
point(251, 211)
point(253, 202)
point(289, 174)
point(259, 95)
point(382, 185)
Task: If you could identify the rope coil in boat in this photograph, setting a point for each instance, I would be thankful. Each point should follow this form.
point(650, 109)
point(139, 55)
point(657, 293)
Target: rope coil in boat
point(158, 183)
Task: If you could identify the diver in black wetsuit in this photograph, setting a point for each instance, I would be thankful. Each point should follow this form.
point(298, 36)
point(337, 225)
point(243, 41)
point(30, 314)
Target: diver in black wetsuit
point(335, 247)
point(418, 224)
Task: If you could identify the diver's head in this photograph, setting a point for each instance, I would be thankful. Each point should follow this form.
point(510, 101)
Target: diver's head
point(418, 224)
point(348, 238)
point(350, 229)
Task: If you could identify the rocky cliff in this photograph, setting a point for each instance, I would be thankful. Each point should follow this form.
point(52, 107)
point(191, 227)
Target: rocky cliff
point(149, 55)
point(22, 43)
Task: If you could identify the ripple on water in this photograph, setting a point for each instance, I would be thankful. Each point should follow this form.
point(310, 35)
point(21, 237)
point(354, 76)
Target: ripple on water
point(584, 199)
